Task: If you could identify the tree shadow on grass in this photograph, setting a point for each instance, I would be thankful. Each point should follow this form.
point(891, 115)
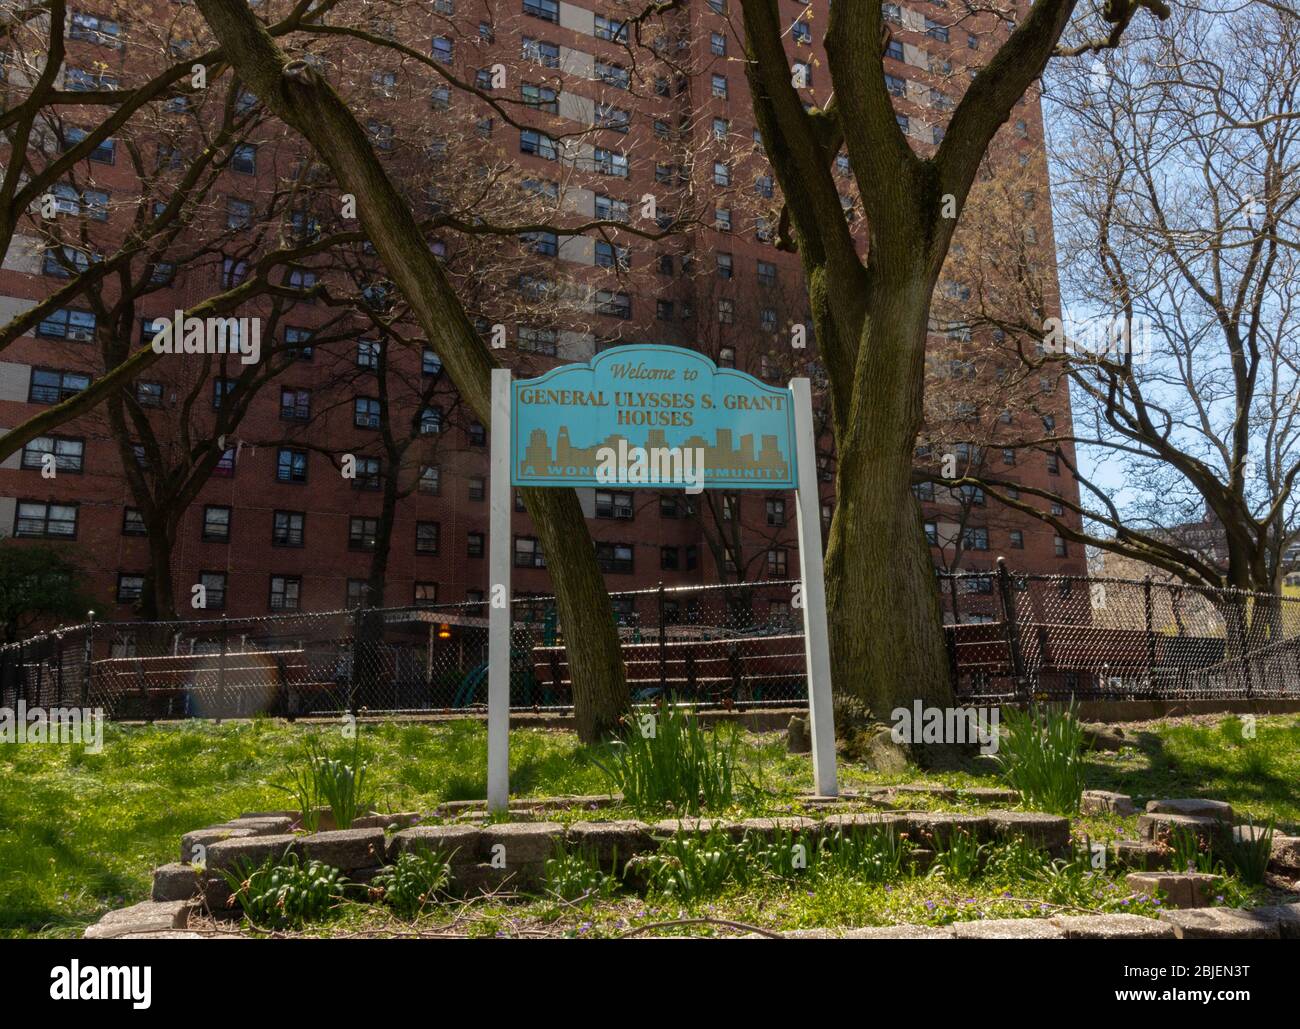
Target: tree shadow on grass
point(1203, 773)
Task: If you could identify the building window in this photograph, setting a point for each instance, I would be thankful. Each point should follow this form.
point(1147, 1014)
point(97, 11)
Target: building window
point(611, 255)
point(216, 523)
point(291, 465)
point(613, 505)
point(430, 480)
point(130, 587)
point(975, 538)
point(614, 557)
point(1017, 539)
point(538, 143)
point(538, 52)
point(1053, 464)
point(442, 49)
point(547, 10)
point(426, 594)
point(615, 305)
point(369, 474)
point(476, 434)
point(133, 522)
point(726, 312)
point(528, 553)
point(295, 404)
point(365, 413)
point(542, 242)
point(727, 357)
point(363, 533)
point(540, 98)
point(668, 558)
point(932, 534)
point(69, 454)
point(1061, 548)
point(67, 324)
point(286, 592)
point(426, 537)
point(243, 159)
point(477, 488)
point(51, 387)
point(214, 590)
point(287, 528)
point(430, 421)
point(936, 31)
point(776, 512)
point(777, 562)
point(719, 84)
point(358, 592)
point(539, 341)
point(149, 394)
point(724, 265)
point(46, 521)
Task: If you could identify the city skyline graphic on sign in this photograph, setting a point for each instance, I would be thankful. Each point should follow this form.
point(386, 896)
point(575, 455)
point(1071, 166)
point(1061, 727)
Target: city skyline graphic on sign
point(658, 400)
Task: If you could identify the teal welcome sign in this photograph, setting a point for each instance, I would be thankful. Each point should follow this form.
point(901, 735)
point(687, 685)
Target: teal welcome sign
point(650, 416)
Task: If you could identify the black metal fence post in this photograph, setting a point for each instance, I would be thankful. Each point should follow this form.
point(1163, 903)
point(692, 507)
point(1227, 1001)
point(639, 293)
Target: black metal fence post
point(353, 679)
point(1150, 634)
point(221, 667)
point(1006, 591)
point(87, 659)
point(663, 652)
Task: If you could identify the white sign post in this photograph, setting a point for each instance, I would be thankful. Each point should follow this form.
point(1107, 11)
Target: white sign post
point(498, 785)
point(816, 638)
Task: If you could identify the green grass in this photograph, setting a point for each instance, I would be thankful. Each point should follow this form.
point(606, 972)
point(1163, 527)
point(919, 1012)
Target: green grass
point(80, 833)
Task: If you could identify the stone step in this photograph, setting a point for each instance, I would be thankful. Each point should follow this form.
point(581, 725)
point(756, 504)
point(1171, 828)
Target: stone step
point(1195, 806)
point(1182, 889)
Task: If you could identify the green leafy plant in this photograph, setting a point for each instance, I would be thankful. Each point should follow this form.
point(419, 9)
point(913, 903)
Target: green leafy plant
point(414, 882)
point(1041, 756)
point(1015, 859)
point(665, 759)
point(876, 856)
point(961, 860)
point(574, 874)
point(784, 855)
point(337, 782)
point(283, 893)
point(688, 867)
point(1191, 852)
point(1250, 851)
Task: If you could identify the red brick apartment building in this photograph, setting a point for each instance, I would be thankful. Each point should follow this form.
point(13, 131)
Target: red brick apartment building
point(276, 527)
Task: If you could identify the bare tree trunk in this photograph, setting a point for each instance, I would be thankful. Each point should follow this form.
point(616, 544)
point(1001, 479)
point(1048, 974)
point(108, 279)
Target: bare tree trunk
point(584, 609)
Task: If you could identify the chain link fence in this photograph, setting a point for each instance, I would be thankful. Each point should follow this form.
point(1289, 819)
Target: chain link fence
point(1016, 635)
point(1009, 636)
point(717, 645)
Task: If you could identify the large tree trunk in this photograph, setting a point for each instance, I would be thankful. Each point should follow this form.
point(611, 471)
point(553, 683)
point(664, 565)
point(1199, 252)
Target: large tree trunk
point(307, 103)
point(586, 617)
point(887, 645)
